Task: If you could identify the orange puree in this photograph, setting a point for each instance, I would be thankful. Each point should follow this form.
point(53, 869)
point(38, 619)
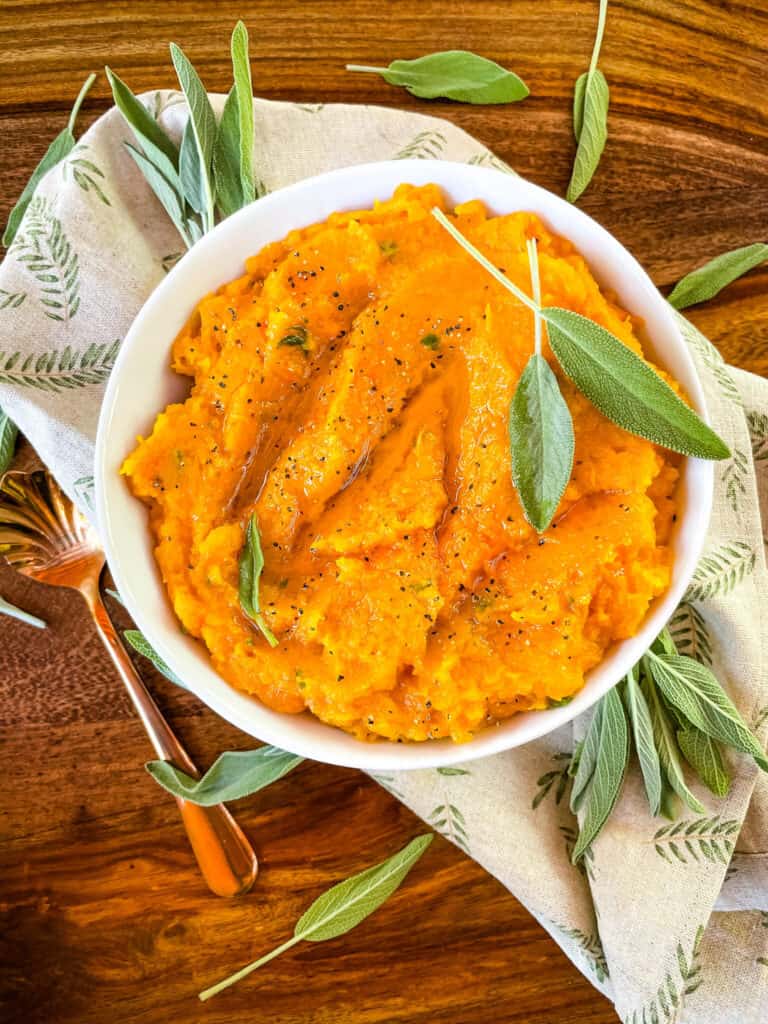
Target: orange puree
point(410, 597)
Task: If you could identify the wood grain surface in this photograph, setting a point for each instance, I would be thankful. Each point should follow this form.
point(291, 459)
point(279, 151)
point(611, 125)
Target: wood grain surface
point(104, 917)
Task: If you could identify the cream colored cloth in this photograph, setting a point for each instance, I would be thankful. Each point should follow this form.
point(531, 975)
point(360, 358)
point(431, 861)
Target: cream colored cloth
point(637, 918)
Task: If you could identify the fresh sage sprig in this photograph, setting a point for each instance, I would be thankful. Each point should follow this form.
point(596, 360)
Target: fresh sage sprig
point(251, 566)
point(233, 775)
point(341, 908)
point(678, 713)
point(693, 691)
point(11, 610)
point(197, 142)
point(8, 434)
point(233, 150)
point(641, 726)
point(540, 427)
point(706, 281)
point(673, 784)
point(619, 383)
point(212, 171)
point(61, 147)
point(590, 116)
point(142, 646)
point(453, 75)
point(603, 763)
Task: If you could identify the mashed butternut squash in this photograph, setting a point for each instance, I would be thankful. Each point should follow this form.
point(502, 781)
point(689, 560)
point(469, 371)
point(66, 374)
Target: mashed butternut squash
point(352, 390)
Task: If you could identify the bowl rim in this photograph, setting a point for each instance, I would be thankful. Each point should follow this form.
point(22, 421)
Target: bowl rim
point(247, 712)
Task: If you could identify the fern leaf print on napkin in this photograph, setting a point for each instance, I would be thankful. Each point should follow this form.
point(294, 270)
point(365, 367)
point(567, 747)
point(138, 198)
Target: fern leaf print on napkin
point(51, 259)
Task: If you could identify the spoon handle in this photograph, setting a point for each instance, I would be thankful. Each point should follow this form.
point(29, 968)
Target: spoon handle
point(224, 855)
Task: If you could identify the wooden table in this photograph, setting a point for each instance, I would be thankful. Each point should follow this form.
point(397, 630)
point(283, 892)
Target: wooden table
point(105, 916)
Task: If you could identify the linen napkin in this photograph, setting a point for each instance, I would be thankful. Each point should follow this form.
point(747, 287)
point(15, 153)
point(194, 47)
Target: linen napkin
point(670, 922)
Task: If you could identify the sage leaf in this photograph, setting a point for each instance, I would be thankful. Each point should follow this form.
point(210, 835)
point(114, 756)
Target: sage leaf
point(703, 755)
point(192, 175)
point(233, 775)
point(453, 75)
point(194, 229)
point(590, 116)
point(203, 128)
point(585, 759)
point(61, 146)
point(171, 202)
point(226, 157)
point(251, 566)
point(590, 119)
point(540, 426)
point(575, 762)
point(541, 442)
point(163, 165)
point(617, 382)
point(8, 435)
point(57, 150)
point(610, 769)
point(243, 88)
point(670, 803)
point(142, 646)
point(579, 92)
point(146, 128)
point(342, 907)
point(693, 689)
point(6, 608)
point(664, 643)
point(55, 153)
point(706, 281)
point(642, 733)
point(666, 746)
point(625, 388)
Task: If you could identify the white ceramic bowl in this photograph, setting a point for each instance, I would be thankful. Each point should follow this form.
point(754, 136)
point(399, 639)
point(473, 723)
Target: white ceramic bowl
point(142, 384)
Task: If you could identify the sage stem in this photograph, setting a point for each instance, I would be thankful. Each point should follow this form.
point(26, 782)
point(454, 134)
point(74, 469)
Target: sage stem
point(248, 969)
point(365, 68)
point(599, 35)
point(84, 89)
point(533, 262)
point(483, 261)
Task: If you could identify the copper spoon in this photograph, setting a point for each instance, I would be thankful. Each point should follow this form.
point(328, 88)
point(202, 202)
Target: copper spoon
point(44, 536)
